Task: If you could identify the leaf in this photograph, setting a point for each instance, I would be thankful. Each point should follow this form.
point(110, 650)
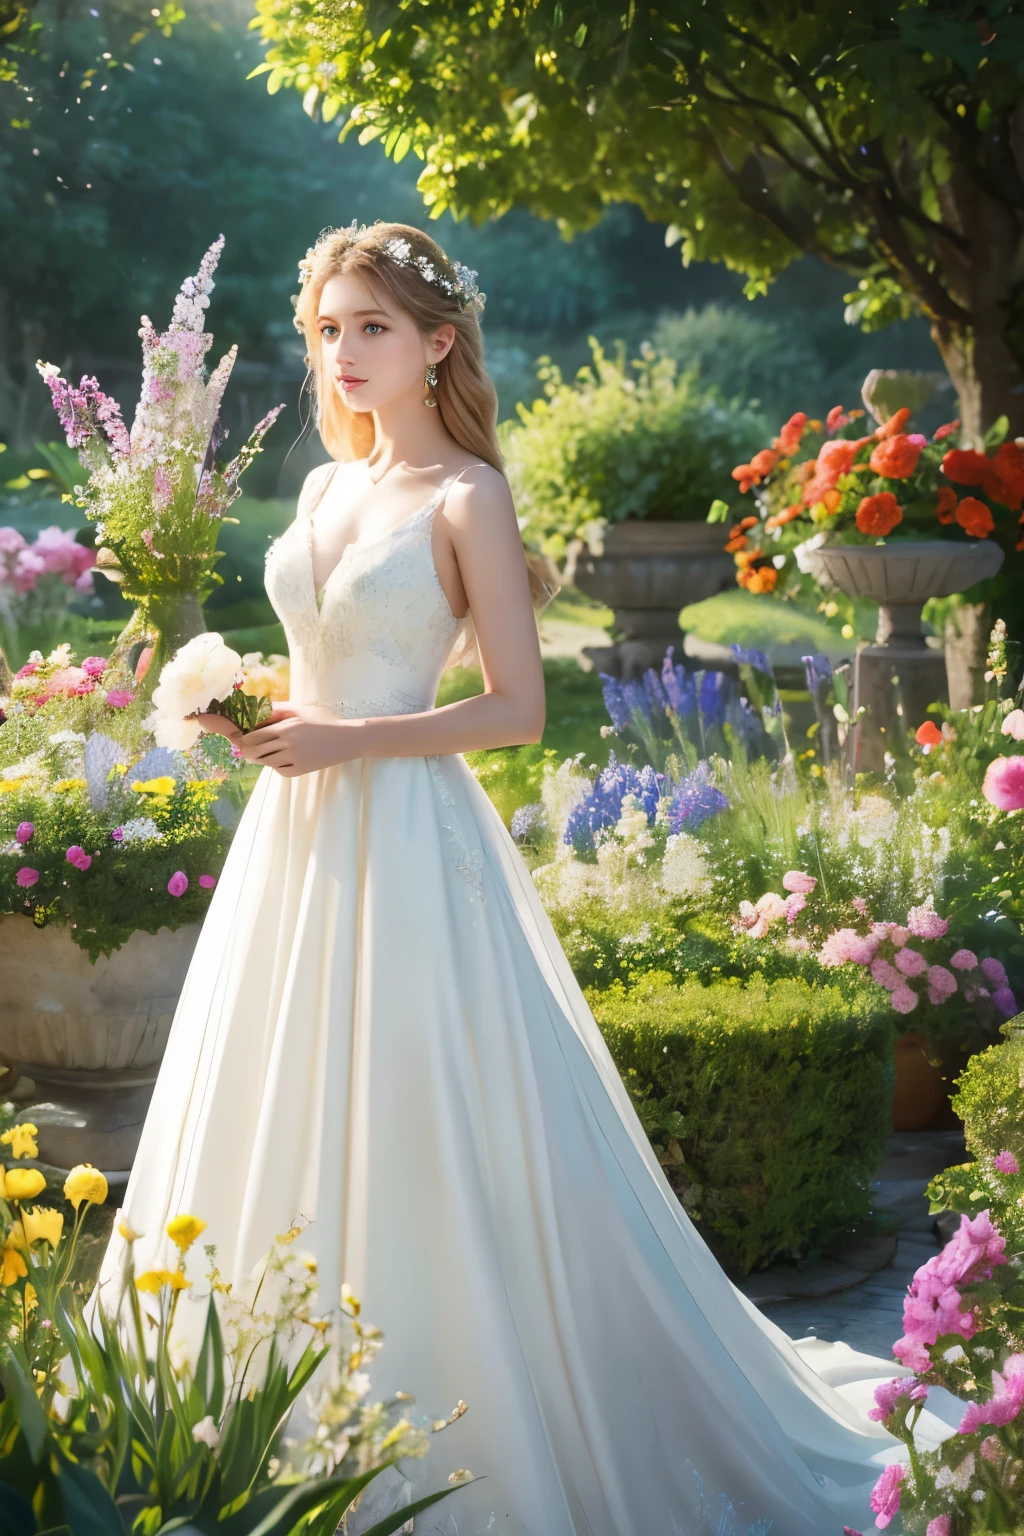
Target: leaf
point(88, 1504)
point(31, 1415)
point(16, 1517)
point(719, 511)
point(402, 147)
point(394, 1522)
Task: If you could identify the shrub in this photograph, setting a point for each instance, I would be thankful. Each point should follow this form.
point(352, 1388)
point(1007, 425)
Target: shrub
point(768, 1104)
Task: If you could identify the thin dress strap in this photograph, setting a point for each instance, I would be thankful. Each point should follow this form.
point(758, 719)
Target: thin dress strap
point(321, 490)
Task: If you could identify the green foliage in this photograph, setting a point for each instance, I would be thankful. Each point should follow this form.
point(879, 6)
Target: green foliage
point(753, 136)
point(621, 441)
point(767, 1103)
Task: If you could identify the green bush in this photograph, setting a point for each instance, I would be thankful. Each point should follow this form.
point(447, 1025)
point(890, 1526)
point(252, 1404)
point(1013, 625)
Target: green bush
point(768, 1104)
point(621, 441)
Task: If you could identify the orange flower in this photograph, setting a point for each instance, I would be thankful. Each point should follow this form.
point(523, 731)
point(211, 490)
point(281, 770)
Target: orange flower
point(832, 501)
point(975, 518)
point(928, 735)
point(763, 580)
point(738, 541)
point(835, 419)
point(747, 522)
point(787, 515)
point(745, 475)
point(946, 505)
point(788, 440)
point(894, 425)
point(965, 466)
point(895, 457)
point(879, 514)
point(946, 430)
point(764, 462)
point(746, 557)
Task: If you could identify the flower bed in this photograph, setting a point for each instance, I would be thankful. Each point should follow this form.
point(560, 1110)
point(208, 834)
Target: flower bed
point(768, 1103)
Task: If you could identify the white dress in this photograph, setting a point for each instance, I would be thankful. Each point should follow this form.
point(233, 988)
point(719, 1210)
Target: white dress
point(380, 1032)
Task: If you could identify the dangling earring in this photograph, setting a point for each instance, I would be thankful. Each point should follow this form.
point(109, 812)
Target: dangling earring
point(431, 385)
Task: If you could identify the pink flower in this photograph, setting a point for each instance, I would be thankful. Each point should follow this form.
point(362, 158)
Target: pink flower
point(1004, 1000)
point(795, 905)
point(11, 541)
point(994, 971)
point(1005, 1162)
point(898, 935)
point(1006, 1400)
point(846, 945)
point(859, 905)
point(25, 831)
point(74, 853)
point(925, 923)
point(904, 999)
point(991, 1449)
point(26, 877)
point(117, 698)
point(1004, 783)
point(885, 1497)
point(178, 883)
point(94, 666)
point(147, 538)
point(941, 982)
point(236, 751)
point(888, 1394)
point(917, 439)
point(1013, 725)
point(939, 1526)
point(885, 974)
point(207, 882)
point(799, 883)
point(911, 962)
point(964, 960)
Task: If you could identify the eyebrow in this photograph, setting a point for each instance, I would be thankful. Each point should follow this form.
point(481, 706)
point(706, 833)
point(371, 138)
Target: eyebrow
point(357, 312)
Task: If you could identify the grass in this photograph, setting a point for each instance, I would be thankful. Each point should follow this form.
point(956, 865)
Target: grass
point(741, 618)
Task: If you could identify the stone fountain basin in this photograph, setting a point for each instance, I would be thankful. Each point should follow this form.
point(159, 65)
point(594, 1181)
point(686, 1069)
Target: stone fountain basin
point(910, 571)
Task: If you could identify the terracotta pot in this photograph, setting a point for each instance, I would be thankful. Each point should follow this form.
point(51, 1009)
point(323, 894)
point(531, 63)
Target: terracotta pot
point(91, 1037)
point(646, 571)
point(921, 1092)
point(898, 677)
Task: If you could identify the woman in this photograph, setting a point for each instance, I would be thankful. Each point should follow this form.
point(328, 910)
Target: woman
point(379, 1031)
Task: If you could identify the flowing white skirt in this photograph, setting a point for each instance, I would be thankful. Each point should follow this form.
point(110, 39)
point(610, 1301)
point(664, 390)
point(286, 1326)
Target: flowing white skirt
point(379, 1032)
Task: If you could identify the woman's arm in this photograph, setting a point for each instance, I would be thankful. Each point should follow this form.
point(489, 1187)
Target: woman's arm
point(479, 520)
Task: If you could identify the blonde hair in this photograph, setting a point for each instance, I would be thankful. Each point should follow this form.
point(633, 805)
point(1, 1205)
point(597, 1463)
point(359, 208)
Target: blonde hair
point(466, 398)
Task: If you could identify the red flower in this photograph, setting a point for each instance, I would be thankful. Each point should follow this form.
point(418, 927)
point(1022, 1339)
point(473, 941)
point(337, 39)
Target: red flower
point(879, 514)
point(947, 430)
point(835, 419)
point(975, 518)
point(965, 466)
point(928, 735)
point(896, 457)
point(894, 425)
point(1004, 481)
point(764, 462)
point(946, 504)
point(788, 440)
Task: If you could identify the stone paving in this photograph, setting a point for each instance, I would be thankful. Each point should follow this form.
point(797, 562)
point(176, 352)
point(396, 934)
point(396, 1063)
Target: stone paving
point(867, 1315)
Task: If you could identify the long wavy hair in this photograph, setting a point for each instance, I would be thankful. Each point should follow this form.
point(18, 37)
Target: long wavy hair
point(466, 397)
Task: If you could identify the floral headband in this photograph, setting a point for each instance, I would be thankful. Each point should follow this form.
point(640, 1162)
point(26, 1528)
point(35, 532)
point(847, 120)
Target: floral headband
point(463, 288)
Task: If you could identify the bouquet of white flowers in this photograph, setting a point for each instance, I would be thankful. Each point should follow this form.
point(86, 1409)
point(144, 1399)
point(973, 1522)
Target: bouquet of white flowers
point(205, 676)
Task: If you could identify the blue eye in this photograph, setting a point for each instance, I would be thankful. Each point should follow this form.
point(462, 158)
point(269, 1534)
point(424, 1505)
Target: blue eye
point(373, 322)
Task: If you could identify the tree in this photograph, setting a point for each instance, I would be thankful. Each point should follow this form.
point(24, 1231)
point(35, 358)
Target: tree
point(884, 137)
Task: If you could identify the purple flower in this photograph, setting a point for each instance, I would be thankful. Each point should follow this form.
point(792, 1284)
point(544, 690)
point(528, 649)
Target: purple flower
point(678, 686)
point(818, 671)
point(713, 698)
point(695, 801)
point(525, 819)
point(178, 883)
point(26, 877)
point(1006, 1401)
point(601, 808)
point(888, 1394)
point(885, 1496)
point(994, 971)
point(1005, 1162)
point(117, 698)
point(1004, 1000)
point(118, 835)
point(621, 700)
point(25, 831)
point(207, 882)
point(751, 658)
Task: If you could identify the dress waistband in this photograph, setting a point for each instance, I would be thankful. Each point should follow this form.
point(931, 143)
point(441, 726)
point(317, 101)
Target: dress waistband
point(391, 702)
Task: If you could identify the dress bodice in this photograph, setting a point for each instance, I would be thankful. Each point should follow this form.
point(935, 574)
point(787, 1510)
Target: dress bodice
point(375, 639)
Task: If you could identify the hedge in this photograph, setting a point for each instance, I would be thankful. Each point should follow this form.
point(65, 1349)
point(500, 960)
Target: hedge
point(768, 1103)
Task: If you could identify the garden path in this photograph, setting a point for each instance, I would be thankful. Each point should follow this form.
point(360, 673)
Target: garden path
point(867, 1314)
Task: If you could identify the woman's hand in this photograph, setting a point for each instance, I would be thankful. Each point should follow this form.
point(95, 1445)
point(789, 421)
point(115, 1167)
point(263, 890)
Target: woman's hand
point(297, 739)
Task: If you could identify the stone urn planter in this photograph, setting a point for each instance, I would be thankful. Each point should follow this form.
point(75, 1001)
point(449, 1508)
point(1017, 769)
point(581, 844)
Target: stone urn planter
point(91, 1037)
point(900, 671)
point(646, 571)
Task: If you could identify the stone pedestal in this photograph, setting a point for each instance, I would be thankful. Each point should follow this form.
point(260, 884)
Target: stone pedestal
point(647, 571)
point(895, 685)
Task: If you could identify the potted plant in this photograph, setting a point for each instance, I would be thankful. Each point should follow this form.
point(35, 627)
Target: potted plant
point(111, 847)
point(157, 495)
point(888, 515)
point(611, 474)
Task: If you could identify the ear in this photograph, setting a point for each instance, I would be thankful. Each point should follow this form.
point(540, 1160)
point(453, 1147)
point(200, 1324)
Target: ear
point(441, 343)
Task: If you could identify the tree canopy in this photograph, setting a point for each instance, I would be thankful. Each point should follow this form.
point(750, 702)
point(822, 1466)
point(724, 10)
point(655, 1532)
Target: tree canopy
point(883, 138)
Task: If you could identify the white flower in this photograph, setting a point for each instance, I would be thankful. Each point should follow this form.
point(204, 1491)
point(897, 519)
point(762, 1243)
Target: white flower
point(206, 1433)
point(59, 738)
point(203, 670)
point(140, 829)
point(684, 869)
point(359, 1381)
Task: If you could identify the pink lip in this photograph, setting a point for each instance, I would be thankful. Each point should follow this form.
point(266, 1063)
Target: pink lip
point(348, 382)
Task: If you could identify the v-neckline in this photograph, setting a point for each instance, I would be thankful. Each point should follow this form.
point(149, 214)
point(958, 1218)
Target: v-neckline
point(318, 594)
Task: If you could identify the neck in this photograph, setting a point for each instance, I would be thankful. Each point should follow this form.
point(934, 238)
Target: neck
point(407, 432)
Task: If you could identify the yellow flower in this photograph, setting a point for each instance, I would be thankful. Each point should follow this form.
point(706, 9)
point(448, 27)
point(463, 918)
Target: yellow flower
point(21, 1139)
point(154, 1280)
point(85, 1182)
point(183, 1230)
point(348, 1300)
point(63, 784)
point(120, 767)
point(127, 1231)
point(12, 1266)
point(43, 1225)
point(7, 785)
point(23, 1183)
point(30, 1296)
point(162, 786)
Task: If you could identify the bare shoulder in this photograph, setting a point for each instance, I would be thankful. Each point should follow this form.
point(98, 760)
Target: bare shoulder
point(480, 498)
point(315, 484)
